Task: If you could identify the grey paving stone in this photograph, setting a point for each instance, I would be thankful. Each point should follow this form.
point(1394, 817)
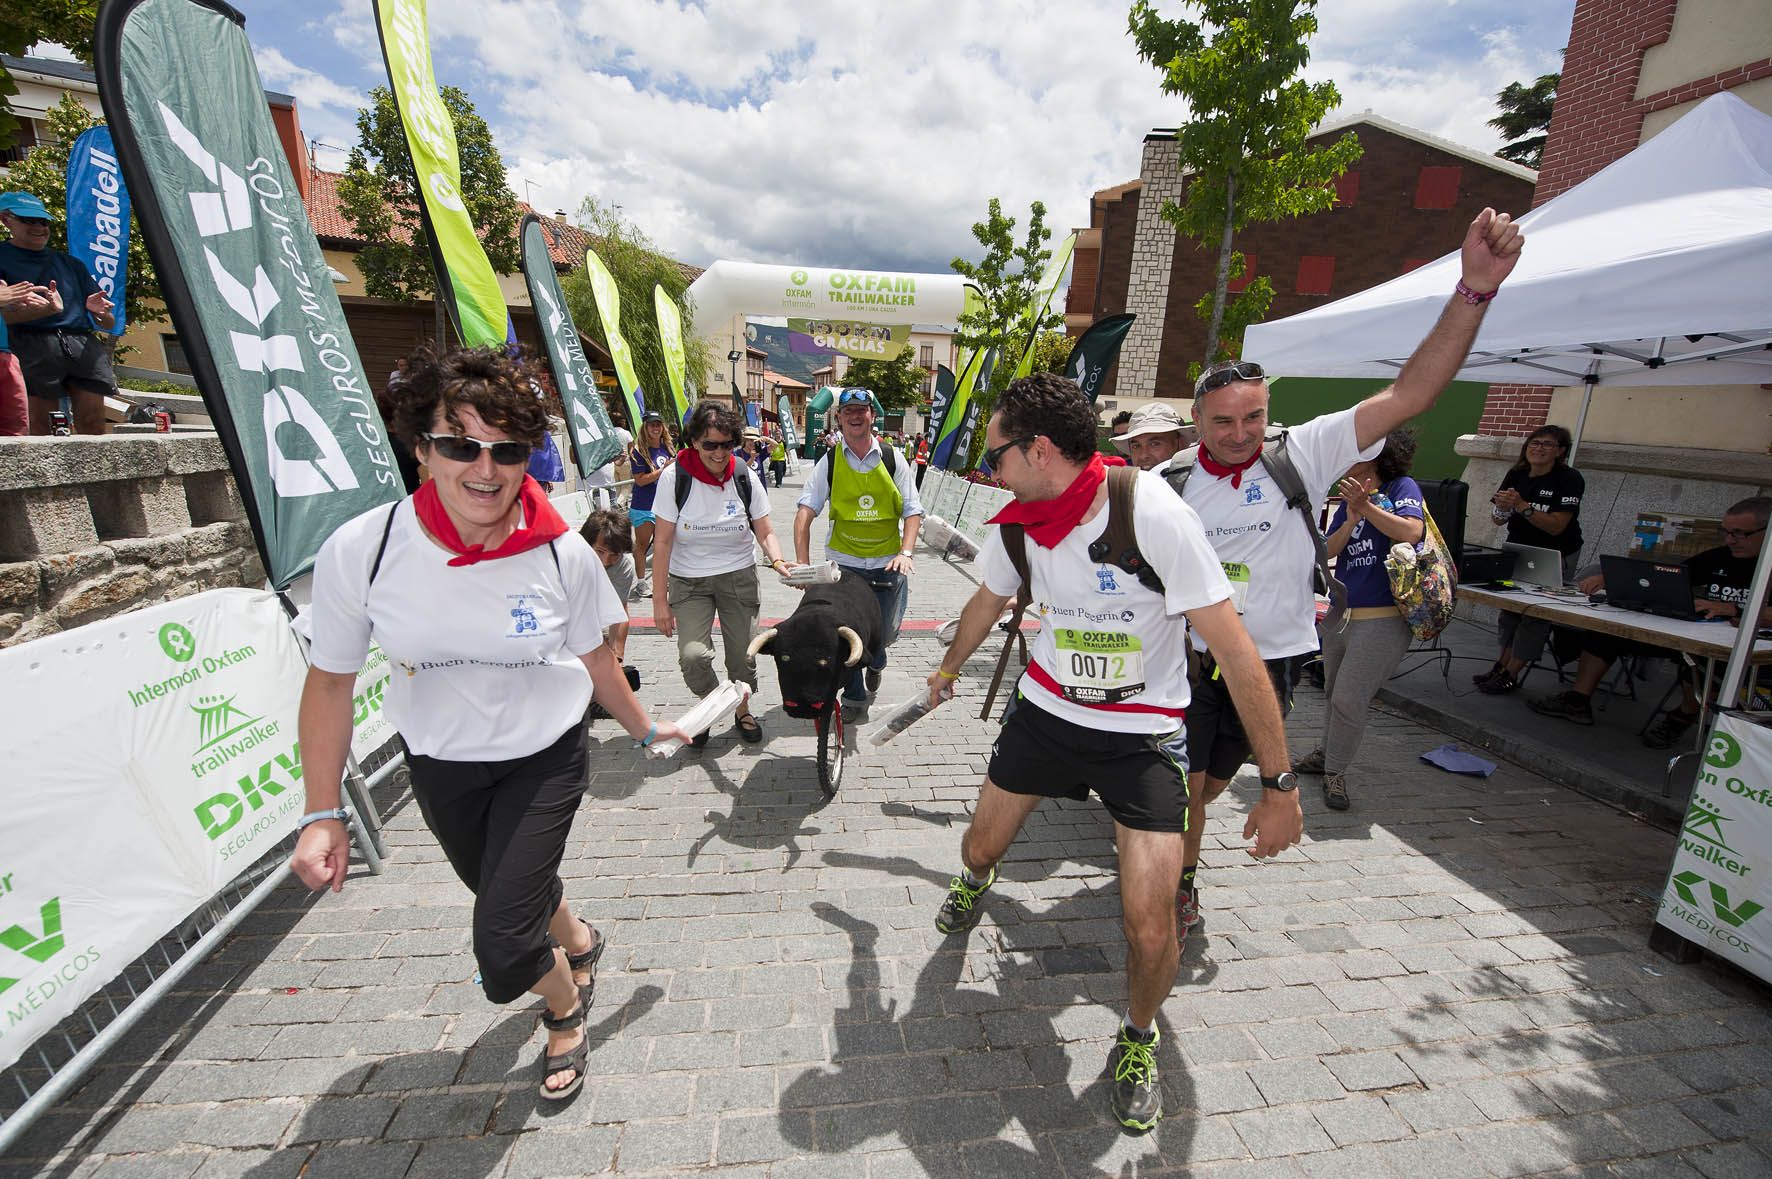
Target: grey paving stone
point(344, 1117)
point(254, 1164)
point(243, 1123)
point(442, 1115)
point(1738, 1160)
point(462, 1158)
point(652, 1097)
point(555, 1153)
point(1284, 1081)
point(1353, 1120)
point(1437, 1109)
point(144, 1166)
point(666, 1145)
point(358, 1161)
point(1369, 1070)
point(1271, 1133)
point(754, 1138)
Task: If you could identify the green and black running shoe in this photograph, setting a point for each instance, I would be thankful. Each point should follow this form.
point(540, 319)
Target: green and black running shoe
point(960, 911)
point(1137, 1099)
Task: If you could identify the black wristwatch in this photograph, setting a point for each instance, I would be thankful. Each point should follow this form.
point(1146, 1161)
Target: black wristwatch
point(1286, 782)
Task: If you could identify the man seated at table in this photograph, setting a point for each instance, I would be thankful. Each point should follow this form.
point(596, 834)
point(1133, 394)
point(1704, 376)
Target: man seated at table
point(1721, 580)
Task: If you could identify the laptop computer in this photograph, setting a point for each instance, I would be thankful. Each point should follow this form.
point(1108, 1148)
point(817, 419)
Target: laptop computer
point(1536, 566)
point(1478, 565)
point(1650, 586)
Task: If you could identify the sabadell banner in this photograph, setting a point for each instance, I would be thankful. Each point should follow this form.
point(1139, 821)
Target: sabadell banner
point(113, 842)
point(1720, 884)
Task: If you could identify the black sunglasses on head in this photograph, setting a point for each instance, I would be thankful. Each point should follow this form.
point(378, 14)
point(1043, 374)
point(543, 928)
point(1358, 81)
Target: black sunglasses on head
point(1219, 377)
point(710, 445)
point(460, 448)
point(995, 454)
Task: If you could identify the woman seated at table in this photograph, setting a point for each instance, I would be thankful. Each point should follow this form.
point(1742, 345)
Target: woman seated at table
point(1380, 506)
point(1539, 501)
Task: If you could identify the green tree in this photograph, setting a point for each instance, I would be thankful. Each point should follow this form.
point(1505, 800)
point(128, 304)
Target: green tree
point(1525, 118)
point(379, 193)
point(1006, 277)
point(44, 174)
point(23, 23)
point(1244, 142)
point(897, 382)
point(1051, 350)
point(637, 266)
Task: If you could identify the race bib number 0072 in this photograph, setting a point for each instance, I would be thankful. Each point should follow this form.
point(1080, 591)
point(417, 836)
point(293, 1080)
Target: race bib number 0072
point(1098, 666)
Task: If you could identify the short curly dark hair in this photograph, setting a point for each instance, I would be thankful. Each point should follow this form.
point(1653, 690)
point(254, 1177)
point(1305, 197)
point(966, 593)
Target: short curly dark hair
point(713, 415)
point(609, 525)
point(1048, 404)
point(1398, 455)
point(492, 384)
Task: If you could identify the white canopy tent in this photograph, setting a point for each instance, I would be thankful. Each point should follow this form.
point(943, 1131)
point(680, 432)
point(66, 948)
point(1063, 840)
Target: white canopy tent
point(1656, 270)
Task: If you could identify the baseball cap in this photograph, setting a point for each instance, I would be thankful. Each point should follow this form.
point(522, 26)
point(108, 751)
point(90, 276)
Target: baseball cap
point(1156, 418)
point(854, 397)
point(652, 415)
point(23, 204)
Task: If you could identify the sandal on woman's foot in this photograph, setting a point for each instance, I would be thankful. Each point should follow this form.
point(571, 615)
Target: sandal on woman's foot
point(750, 733)
point(587, 961)
point(574, 1060)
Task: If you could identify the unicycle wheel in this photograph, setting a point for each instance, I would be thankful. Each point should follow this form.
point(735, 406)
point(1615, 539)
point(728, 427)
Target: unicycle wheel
point(831, 752)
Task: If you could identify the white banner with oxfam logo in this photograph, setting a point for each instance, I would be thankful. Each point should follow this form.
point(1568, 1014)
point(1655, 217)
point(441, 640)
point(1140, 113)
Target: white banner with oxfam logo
point(1720, 885)
point(153, 758)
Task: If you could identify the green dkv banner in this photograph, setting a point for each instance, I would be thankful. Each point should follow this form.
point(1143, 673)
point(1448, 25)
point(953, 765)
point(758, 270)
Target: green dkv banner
point(592, 437)
point(465, 279)
point(250, 294)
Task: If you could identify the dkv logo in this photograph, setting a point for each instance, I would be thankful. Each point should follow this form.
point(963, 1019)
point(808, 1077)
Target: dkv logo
point(302, 454)
point(41, 946)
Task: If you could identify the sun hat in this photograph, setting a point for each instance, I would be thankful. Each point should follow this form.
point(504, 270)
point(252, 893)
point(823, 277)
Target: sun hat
point(1156, 418)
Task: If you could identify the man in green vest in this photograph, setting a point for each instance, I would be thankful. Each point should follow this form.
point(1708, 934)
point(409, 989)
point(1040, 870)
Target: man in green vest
point(875, 517)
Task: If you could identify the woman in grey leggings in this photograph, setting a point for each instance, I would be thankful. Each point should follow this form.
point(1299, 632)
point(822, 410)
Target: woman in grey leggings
point(1381, 506)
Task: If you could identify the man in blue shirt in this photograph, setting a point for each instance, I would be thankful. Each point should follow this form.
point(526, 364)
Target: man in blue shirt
point(55, 344)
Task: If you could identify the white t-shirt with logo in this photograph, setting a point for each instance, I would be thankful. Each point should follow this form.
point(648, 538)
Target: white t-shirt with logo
point(485, 656)
point(713, 530)
point(1103, 636)
point(1264, 545)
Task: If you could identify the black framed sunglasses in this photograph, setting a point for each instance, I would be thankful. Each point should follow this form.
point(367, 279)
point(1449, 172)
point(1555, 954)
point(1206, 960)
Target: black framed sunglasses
point(460, 448)
point(1220, 376)
point(711, 444)
point(1741, 533)
point(995, 454)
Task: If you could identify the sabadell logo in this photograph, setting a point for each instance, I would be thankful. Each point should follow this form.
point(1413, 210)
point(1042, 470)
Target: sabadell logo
point(1724, 751)
point(178, 642)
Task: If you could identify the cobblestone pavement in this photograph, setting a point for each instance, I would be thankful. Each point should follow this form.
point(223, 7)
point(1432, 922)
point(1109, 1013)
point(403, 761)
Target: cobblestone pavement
point(1448, 980)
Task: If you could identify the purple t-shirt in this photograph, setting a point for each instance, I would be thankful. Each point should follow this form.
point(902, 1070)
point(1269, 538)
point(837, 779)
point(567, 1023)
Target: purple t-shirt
point(641, 461)
point(1361, 564)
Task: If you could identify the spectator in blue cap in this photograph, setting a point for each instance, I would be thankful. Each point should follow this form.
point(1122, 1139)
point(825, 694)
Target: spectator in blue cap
point(54, 343)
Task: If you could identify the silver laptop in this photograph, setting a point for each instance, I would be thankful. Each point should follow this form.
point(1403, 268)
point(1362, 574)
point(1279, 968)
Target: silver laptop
point(1536, 566)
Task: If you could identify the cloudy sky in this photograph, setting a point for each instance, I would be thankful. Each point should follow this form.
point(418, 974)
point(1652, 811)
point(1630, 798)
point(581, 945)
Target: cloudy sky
point(861, 135)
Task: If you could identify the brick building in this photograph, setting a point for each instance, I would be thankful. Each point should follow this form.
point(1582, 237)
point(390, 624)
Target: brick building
point(1407, 201)
point(1632, 67)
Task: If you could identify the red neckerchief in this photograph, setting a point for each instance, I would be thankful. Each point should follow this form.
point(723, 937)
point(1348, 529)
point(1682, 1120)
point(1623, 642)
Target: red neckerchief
point(688, 460)
point(1213, 467)
point(544, 524)
point(1049, 521)
point(1114, 460)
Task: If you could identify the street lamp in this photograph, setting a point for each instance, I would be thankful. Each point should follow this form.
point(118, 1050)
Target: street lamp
point(735, 356)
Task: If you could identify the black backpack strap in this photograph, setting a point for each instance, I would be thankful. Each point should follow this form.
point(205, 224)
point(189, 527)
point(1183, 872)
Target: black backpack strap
point(680, 488)
point(742, 476)
point(386, 528)
point(1278, 461)
point(890, 458)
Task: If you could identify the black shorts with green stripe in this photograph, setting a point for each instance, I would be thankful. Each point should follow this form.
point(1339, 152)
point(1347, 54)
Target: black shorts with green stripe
point(1140, 777)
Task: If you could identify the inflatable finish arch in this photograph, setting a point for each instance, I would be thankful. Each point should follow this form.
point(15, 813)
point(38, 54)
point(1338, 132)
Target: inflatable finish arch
point(726, 289)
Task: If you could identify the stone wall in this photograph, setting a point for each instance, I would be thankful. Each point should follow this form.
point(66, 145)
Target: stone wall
point(95, 527)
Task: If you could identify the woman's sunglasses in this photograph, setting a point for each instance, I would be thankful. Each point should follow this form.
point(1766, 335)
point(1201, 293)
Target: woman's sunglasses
point(459, 448)
point(711, 445)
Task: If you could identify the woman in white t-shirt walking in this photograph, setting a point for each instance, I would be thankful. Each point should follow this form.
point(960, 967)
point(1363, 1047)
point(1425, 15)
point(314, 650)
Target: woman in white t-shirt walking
point(495, 613)
point(702, 555)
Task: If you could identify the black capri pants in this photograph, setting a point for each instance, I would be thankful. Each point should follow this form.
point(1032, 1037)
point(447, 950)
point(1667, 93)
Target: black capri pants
point(503, 825)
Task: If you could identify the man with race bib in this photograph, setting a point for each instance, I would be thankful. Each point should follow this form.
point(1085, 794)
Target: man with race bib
point(1100, 706)
point(1267, 550)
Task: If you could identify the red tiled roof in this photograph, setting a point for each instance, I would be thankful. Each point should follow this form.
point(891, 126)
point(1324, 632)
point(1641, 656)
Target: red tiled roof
point(566, 242)
point(771, 377)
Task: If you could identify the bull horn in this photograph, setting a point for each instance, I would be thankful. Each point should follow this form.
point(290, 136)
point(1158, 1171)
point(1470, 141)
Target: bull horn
point(855, 651)
point(758, 643)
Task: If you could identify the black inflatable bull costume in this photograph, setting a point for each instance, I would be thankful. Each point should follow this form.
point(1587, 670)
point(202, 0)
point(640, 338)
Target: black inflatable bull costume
point(817, 647)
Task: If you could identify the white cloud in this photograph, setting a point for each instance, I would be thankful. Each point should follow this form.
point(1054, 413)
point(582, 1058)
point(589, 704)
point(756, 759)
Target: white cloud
point(873, 135)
